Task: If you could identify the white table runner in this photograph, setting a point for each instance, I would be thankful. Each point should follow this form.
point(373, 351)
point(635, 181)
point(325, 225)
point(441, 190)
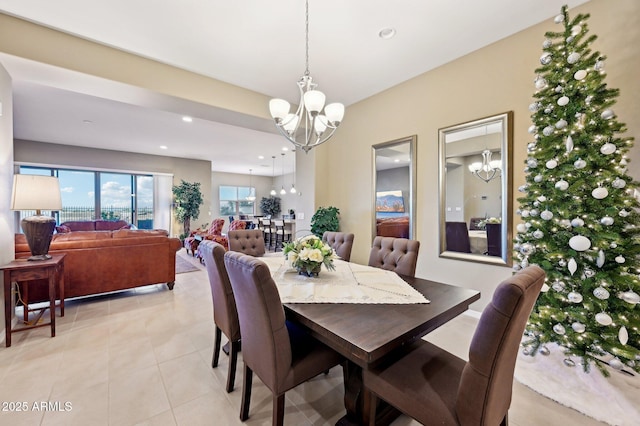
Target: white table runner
point(349, 283)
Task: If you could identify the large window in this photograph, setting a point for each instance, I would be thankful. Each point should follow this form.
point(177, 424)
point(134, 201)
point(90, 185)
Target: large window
point(90, 195)
point(233, 200)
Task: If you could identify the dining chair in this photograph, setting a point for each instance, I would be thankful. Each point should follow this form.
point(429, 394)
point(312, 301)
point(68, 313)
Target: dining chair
point(457, 237)
point(281, 354)
point(267, 232)
point(250, 241)
point(395, 254)
point(494, 239)
point(434, 386)
point(340, 242)
point(225, 315)
point(282, 233)
point(474, 223)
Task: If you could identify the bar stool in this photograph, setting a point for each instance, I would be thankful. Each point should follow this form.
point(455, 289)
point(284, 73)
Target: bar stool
point(281, 233)
point(267, 231)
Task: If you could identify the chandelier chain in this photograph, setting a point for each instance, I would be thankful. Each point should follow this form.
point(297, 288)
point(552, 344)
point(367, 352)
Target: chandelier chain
point(306, 32)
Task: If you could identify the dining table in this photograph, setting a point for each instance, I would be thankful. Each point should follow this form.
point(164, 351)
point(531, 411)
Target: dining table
point(368, 332)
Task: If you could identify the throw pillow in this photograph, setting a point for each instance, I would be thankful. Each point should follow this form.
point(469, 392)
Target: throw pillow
point(62, 229)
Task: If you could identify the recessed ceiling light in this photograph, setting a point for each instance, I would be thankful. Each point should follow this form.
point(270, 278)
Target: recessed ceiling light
point(387, 33)
point(260, 157)
point(187, 119)
point(164, 147)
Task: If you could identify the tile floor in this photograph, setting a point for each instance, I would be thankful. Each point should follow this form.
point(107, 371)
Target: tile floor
point(143, 357)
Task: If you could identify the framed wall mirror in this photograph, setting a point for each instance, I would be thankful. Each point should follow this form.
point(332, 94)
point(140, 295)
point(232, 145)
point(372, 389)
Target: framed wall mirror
point(475, 190)
point(394, 182)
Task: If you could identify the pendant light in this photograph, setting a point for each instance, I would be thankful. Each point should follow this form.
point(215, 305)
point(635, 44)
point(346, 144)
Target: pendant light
point(252, 195)
point(283, 191)
point(293, 179)
point(273, 175)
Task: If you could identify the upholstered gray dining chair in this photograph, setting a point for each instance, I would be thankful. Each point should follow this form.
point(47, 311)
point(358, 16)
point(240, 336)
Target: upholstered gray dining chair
point(247, 241)
point(434, 386)
point(225, 315)
point(341, 242)
point(395, 254)
point(282, 355)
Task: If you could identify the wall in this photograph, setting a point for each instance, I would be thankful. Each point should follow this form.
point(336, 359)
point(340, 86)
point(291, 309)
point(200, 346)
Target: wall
point(492, 80)
point(6, 178)
point(66, 155)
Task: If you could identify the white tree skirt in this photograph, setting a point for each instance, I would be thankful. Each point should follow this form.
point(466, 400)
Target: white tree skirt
point(614, 400)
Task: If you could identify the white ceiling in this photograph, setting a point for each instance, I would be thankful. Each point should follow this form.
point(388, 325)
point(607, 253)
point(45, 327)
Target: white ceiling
point(254, 44)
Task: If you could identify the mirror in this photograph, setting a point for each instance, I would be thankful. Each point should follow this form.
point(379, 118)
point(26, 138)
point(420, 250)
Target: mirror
point(394, 182)
point(475, 190)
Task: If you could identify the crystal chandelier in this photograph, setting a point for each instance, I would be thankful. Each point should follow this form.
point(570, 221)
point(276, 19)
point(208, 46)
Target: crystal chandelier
point(310, 125)
point(488, 169)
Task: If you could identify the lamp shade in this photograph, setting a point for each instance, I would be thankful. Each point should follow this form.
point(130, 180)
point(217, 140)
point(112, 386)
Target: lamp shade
point(33, 192)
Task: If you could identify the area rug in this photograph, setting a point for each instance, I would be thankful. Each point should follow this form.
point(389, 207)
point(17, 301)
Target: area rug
point(183, 265)
point(614, 400)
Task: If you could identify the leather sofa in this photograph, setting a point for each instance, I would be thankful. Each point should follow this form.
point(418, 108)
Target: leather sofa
point(92, 225)
point(106, 261)
point(397, 227)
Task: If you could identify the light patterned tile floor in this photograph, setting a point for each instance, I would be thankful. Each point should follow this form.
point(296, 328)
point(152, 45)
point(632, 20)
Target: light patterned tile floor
point(143, 357)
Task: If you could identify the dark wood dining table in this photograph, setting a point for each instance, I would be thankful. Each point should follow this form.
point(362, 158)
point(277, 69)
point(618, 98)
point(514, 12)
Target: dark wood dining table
point(368, 334)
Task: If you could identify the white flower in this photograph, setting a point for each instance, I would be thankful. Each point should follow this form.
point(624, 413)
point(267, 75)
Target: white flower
point(315, 255)
point(305, 253)
point(293, 257)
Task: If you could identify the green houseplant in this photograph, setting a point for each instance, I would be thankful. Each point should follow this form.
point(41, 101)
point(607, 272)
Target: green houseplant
point(270, 206)
point(325, 219)
point(188, 199)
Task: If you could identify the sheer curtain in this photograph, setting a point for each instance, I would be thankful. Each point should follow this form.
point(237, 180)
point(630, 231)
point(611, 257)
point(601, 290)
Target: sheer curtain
point(162, 199)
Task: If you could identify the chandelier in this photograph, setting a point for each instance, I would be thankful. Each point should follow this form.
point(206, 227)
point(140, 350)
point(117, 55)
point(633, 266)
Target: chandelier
point(313, 123)
point(488, 169)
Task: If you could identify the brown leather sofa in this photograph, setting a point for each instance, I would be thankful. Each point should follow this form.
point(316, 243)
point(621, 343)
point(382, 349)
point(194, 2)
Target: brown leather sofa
point(92, 225)
point(397, 227)
point(105, 261)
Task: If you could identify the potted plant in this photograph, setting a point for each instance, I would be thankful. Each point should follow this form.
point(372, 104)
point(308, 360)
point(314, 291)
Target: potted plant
point(188, 199)
point(270, 206)
point(325, 219)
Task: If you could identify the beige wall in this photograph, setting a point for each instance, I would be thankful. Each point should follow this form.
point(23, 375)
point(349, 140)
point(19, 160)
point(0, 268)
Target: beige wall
point(6, 178)
point(102, 159)
point(492, 80)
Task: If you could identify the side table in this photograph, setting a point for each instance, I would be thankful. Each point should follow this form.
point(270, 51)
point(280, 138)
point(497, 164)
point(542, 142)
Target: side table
point(28, 270)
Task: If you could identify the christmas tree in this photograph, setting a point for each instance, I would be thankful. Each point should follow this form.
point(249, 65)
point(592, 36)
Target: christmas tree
point(578, 215)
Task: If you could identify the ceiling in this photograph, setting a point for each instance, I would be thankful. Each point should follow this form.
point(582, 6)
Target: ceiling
point(254, 44)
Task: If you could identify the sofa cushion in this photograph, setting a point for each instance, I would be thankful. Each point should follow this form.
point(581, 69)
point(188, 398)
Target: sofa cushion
point(110, 225)
point(132, 233)
point(80, 225)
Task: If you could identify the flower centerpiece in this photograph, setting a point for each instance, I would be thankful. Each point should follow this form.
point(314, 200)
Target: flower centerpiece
point(490, 220)
point(308, 254)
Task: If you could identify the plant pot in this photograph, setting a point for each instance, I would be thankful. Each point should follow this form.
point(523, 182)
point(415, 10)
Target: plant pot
point(309, 272)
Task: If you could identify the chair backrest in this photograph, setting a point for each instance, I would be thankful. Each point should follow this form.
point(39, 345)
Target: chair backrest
point(474, 223)
point(247, 241)
point(216, 227)
point(457, 237)
point(395, 254)
point(237, 224)
point(494, 239)
point(484, 392)
point(341, 242)
point(225, 314)
point(266, 348)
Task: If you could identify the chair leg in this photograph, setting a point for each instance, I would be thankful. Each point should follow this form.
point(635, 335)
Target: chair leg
point(278, 410)
point(216, 348)
point(233, 359)
point(246, 393)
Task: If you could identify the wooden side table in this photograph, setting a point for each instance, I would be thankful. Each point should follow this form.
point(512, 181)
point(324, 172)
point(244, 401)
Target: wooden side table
point(26, 270)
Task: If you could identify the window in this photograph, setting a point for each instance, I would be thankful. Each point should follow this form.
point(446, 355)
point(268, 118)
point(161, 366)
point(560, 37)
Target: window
point(90, 195)
point(233, 200)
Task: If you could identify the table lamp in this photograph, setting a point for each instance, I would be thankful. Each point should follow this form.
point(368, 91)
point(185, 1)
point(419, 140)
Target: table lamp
point(33, 192)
